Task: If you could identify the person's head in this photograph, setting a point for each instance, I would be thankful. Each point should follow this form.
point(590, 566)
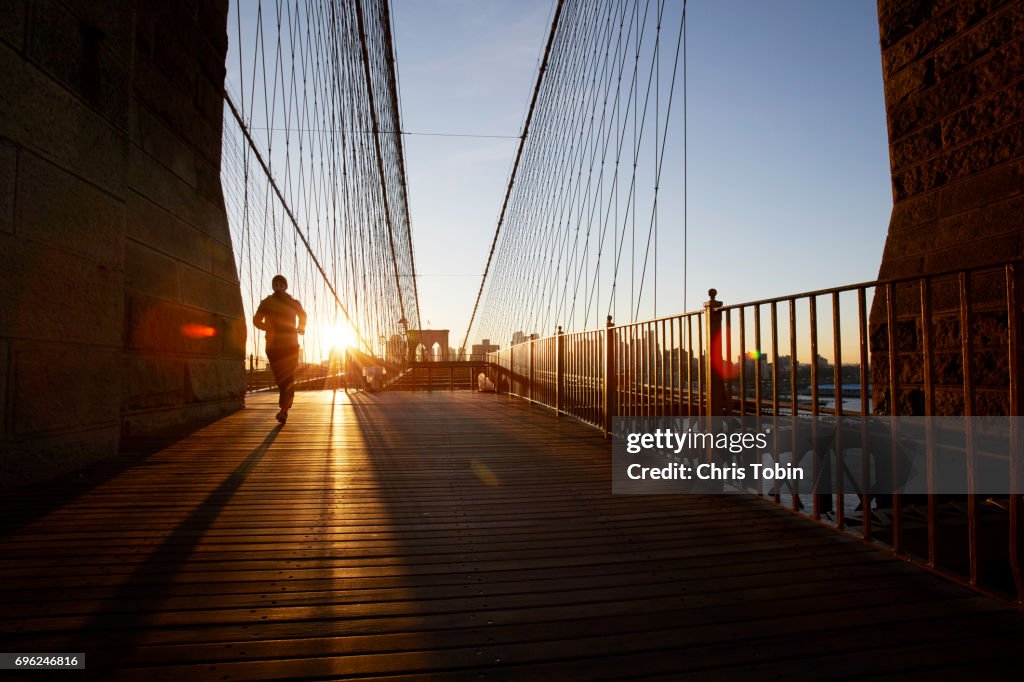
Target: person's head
point(279, 284)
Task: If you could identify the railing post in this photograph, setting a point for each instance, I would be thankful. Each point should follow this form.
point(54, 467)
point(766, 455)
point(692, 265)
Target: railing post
point(713, 344)
point(530, 392)
point(559, 371)
point(610, 405)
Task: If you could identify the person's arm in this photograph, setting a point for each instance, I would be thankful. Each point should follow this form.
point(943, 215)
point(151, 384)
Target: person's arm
point(259, 320)
point(302, 317)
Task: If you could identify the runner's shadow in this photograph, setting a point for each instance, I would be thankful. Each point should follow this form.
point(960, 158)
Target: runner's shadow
point(140, 588)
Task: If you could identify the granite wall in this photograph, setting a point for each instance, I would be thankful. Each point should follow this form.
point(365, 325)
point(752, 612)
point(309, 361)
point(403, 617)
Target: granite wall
point(120, 311)
point(954, 93)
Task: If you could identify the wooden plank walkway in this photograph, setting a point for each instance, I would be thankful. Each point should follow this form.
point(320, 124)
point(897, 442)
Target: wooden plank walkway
point(459, 536)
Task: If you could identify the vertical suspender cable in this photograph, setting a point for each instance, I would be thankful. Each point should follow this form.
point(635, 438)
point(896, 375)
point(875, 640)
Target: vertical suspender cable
point(376, 146)
point(686, 184)
point(515, 166)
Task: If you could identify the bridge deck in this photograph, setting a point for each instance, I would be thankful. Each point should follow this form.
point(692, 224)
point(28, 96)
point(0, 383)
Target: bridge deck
point(462, 535)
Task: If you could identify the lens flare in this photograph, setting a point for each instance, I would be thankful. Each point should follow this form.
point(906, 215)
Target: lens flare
point(484, 473)
point(198, 331)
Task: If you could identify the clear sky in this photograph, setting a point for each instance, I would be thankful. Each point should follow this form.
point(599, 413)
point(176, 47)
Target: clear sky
point(788, 167)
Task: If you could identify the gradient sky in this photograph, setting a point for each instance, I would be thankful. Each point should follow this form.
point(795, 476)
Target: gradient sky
point(789, 186)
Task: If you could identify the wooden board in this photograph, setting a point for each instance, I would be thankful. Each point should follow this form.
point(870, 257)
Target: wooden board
point(454, 535)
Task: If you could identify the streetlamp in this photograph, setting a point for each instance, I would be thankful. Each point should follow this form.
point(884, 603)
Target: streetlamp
point(405, 335)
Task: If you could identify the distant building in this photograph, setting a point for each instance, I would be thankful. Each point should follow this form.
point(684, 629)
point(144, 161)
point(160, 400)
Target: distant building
point(480, 350)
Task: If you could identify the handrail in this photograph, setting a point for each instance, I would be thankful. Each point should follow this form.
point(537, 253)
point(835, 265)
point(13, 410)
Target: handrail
point(818, 352)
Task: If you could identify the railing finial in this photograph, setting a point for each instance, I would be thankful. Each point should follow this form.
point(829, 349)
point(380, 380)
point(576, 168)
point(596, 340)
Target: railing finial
point(712, 302)
point(610, 323)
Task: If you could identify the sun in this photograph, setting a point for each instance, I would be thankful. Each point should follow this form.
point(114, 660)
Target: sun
point(341, 336)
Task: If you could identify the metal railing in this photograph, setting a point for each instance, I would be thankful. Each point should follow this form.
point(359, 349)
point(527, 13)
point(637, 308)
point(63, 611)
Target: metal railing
point(440, 376)
point(306, 376)
point(943, 344)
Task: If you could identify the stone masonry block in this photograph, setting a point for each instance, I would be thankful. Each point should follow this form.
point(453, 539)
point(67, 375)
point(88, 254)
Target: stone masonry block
point(60, 386)
point(164, 188)
point(986, 222)
point(207, 137)
point(215, 379)
point(157, 140)
point(917, 147)
point(206, 292)
point(910, 369)
point(995, 71)
point(223, 262)
point(919, 24)
point(156, 92)
point(58, 296)
point(234, 337)
point(214, 221)
point(115, 19)
point(4, 345)
point(979, 155)
point(910, 81)
point(212, 63)
point(1002, 108)
point(986, 187)
point(208, 181)
point(991, 368)
point(960, 163)
point(153, 381)
point(213, 17)
point(912, 242)
point(73, 52)
point(8, 176)
point(61, 210)
point(908, 335)
point(913, 213)
point(973, 254)
point(988, 294)
point(46, 117)
point(916, 180)
point(153, 226)
point(945, 295)
point(150, 272)
point(969, 46)
point(990, 330)
point(946, 332)
point(210, 99)
point(164, 327)
point(902, 267)
point(949, 402)
point(139, 426)
point(947, 368)
point(12, 24)
point(992, 403)
point(879, 338)
point(43, 457)
point(176, 60)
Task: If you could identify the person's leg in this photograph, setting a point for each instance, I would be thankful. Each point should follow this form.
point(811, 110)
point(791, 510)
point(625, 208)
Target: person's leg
point(289, 363)
point(283, 362)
